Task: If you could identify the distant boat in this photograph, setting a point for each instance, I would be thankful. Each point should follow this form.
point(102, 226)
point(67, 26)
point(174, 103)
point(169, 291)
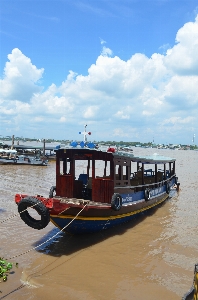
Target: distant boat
point(23, 160)
point(7, 152)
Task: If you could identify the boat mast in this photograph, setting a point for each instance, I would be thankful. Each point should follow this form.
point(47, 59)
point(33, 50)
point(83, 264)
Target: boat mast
point(85, 134)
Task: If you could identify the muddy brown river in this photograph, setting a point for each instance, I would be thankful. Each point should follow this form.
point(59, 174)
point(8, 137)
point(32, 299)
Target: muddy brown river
point(150, 258)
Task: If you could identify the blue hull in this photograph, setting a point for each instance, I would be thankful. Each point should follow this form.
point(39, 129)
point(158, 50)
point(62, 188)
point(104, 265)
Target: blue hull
point(82, 225)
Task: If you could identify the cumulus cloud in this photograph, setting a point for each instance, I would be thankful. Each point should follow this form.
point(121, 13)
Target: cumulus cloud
point(126, 98)
point(182, 92)
point(90, 112)
point(183, 57)
point(20, 78)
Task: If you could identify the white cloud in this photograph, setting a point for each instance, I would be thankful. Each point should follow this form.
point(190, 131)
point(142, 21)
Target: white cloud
point(182, 92)
point(63, 120)
point(90, 112)
point(124, 114)
point(20, 79)
point(102, 41)
point(179, 120)
point(38, 119)
point(120, 97)
point(106, 51)
point(120, 133)
point(183, 57)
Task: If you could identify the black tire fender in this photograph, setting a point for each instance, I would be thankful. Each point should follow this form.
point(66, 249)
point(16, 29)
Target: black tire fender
point(147, 195)
point(167, 188)
point(41, 209)
point(116, 202)
point(51, 192)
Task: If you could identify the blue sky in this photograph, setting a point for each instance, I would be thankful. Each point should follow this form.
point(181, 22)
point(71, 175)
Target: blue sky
point(127, 69)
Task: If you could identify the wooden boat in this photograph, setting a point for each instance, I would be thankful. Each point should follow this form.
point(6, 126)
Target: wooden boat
point(96, 189)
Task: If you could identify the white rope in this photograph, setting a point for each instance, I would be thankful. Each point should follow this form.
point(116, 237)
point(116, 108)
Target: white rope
point(63, 210)
point(105, 224)
point(15, 215)
point(51, 237)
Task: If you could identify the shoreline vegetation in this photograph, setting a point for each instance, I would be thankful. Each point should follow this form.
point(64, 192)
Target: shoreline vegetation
point(120, 144)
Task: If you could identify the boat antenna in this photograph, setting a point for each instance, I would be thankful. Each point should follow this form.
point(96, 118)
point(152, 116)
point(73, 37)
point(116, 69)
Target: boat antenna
point(85, 133)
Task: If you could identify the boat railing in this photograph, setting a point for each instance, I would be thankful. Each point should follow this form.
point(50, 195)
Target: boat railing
point(155, 184)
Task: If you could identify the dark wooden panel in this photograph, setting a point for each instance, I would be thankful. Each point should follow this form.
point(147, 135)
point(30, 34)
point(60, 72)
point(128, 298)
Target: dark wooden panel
point(64, 185)
point(78, 186)
point(102, 190)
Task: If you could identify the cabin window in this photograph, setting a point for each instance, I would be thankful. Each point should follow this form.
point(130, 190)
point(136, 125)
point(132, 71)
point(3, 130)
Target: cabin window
point(102, 168)
point(118, 172)
point(83, 167)
point(80, 167)
point(65, 166)
point(68, 167)
point(61, 167)
point(133, 168)
point(124, 170)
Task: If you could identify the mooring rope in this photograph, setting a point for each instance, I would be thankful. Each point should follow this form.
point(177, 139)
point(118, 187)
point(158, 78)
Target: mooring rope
point(105, 224)
point(15, 215)
point(50, 237)
point(63, 210)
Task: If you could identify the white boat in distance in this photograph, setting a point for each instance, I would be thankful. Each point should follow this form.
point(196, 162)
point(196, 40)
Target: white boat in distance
point(10, 157)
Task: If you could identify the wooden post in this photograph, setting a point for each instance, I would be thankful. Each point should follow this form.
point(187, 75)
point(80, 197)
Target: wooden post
point(105, 169)
point(93, 168)
point(165, 171)
point(12, 142)
point(169, 169)
point(44, 147)
point(142, 174)
point(156, 179)
point(174, 167)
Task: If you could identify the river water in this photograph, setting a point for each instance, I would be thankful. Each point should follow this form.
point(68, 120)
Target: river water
point(151, 258)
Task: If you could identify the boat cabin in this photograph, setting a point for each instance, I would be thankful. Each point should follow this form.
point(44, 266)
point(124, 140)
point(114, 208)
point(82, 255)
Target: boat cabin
point(96, 175)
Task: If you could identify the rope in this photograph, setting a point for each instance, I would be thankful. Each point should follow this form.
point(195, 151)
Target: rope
point(51, 237)
point(63, 210)
point(105, 224)
point(18, 213)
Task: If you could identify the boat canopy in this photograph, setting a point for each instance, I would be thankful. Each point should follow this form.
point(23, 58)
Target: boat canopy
point(153, 159)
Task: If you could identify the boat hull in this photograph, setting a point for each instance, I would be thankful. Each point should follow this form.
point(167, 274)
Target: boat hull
point(91, 222)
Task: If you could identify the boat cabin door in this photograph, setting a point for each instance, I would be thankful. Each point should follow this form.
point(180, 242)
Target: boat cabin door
point(66, 184)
